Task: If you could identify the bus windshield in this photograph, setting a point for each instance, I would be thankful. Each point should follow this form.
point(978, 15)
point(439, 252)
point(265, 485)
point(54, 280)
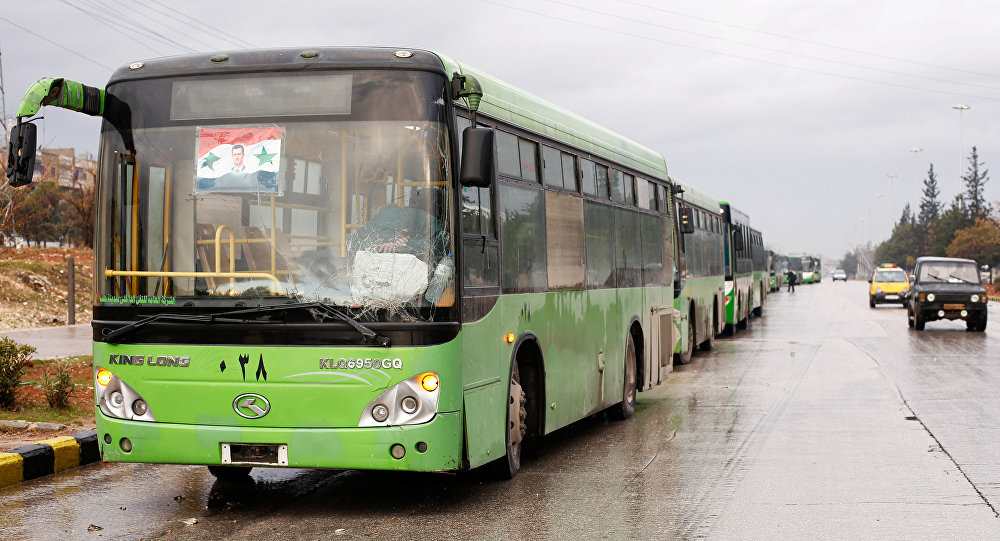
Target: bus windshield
point(269, 188)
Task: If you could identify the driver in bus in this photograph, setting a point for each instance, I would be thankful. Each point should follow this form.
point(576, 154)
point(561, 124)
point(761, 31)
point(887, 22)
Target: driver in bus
point(413, 229)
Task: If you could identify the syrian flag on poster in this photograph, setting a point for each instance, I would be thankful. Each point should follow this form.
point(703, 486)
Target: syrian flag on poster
point(238, 160)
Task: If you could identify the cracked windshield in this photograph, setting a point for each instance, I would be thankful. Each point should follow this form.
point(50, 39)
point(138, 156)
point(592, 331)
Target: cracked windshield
point(239, 196)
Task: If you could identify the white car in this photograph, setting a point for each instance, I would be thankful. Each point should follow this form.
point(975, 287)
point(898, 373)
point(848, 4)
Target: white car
point(839, 274)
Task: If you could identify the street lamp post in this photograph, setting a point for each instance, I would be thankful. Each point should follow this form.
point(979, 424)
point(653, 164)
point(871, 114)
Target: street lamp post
point(892, 191)
point(961, 145)
point(916, 176)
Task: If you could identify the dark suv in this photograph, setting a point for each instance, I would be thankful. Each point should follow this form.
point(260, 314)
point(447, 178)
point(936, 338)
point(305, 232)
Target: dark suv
point(947, 288)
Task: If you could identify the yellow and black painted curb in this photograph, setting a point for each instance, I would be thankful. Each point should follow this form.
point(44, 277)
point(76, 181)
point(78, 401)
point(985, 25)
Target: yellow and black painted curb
point(994, 298)
point(47, 457)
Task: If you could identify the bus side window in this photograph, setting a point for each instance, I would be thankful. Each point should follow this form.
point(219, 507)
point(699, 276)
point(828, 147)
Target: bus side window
point(599, 223)
point(588, 178)
point(522, 211)
point(602, 181)
point(617, 186)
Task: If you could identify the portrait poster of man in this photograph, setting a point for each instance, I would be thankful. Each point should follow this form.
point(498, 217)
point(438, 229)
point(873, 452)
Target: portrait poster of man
point(238, 160)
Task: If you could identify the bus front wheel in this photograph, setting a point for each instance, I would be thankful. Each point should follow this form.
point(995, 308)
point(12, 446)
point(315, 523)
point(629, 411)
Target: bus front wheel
point(230, 473)
point(517, 427)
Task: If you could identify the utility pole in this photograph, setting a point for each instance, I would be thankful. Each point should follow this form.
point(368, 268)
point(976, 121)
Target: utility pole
point(916, 177)
point(961, 108)
point(3, 105)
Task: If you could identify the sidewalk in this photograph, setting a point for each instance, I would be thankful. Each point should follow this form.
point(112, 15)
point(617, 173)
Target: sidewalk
point(52, 342)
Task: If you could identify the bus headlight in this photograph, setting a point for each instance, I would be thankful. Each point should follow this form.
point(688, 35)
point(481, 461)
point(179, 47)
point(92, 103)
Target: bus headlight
point(117, 399)
point(409, 402)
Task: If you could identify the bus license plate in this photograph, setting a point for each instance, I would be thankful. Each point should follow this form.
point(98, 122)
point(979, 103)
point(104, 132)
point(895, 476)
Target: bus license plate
point(271, 454)
point(892, 297)
point(954, 307)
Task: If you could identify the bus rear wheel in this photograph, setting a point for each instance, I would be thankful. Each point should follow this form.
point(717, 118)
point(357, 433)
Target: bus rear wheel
point(624, 409)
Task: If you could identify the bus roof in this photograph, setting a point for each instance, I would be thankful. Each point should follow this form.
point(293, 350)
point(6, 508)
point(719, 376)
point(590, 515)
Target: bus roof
point(530, 112)
point(691, 195)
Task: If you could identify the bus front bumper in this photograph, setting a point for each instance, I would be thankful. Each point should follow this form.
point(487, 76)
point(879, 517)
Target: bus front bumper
point(341, 448)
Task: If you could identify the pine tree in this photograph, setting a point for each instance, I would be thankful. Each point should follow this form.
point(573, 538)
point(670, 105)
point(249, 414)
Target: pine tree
point(975, 184)
point(907, 217)
point(930, 206)
point(929, 211)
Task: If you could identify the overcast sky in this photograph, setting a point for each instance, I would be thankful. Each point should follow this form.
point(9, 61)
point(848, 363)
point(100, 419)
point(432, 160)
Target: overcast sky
point(795, 112)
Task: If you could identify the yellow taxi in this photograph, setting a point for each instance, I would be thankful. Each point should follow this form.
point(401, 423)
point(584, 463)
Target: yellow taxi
point(889, 284)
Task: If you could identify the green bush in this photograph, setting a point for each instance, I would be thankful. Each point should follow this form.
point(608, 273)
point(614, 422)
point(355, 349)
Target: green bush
point(58, 386)
point(14, 359)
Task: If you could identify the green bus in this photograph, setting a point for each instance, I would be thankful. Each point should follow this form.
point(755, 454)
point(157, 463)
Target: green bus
point(806, 266)
point(777, 265)
point(745, 272)
point(700, 284)
point(299, 267)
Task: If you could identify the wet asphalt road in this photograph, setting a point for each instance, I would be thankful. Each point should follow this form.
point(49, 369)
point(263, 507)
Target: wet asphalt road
point(825, 420)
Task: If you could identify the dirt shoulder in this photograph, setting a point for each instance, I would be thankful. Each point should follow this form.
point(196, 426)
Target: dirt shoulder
point(33, 286)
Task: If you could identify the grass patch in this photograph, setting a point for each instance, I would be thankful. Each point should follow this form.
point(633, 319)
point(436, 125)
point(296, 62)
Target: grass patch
point(33, 406)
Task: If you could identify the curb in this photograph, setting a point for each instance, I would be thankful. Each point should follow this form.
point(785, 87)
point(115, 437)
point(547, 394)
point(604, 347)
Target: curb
point(994, 298)
point(47, 457)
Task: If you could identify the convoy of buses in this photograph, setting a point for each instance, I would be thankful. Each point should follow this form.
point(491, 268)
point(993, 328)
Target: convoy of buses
point(382, 259)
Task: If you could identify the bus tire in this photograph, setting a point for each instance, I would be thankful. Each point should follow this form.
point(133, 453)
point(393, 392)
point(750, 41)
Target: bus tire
point(516, 427)
point(230, 473)
point(626, 408)
point(709, 342)
point(741, 314)
point(684, 356)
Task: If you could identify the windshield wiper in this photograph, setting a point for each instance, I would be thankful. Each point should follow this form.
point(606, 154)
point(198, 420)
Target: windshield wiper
point(936, 277)
point(319, 311)
point(322, 310)
point(960, 278)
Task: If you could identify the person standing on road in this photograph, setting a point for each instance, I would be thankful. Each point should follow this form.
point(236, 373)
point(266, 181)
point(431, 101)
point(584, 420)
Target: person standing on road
point(792, 278)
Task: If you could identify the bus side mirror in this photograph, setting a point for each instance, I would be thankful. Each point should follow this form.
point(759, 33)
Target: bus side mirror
point(477, 158)
point(686, 223)
point(21, 154)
